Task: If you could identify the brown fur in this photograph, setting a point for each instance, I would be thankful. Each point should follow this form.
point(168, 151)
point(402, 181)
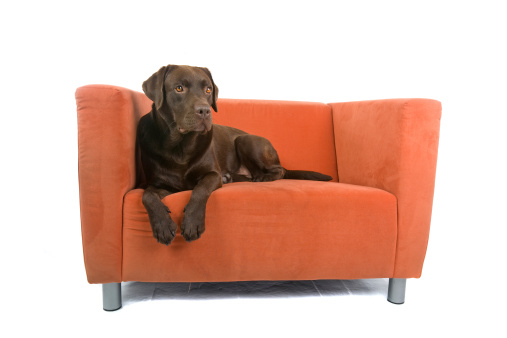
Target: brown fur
point(181, 149)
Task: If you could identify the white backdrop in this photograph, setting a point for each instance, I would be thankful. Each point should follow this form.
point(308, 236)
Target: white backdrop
point(452, 51)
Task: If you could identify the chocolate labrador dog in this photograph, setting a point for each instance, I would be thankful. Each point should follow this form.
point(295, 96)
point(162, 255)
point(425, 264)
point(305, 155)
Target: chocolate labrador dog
point(181, 149)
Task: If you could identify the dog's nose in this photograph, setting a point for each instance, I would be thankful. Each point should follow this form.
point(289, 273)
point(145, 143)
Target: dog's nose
point(203, 111)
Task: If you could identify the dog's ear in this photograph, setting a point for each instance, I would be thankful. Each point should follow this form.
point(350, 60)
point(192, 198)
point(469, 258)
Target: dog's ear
point(215, 89)
point(154, 86)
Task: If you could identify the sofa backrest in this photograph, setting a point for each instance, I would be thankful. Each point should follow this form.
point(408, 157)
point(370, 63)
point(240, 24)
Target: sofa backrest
point(301, 132)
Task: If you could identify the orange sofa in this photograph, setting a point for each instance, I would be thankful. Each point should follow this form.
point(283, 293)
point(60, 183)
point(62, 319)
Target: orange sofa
point(371, 221)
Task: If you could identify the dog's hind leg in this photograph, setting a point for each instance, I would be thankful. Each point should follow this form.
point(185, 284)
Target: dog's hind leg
point(259, 156)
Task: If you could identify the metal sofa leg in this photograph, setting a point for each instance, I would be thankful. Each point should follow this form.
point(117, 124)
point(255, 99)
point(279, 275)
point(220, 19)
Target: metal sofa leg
point(111, 296)
point(396, 292)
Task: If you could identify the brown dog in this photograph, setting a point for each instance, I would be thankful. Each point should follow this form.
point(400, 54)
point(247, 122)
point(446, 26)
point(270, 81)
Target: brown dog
point(182, 150)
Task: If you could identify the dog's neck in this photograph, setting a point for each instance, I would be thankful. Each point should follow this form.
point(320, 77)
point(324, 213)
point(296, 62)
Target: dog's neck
point(189, 146)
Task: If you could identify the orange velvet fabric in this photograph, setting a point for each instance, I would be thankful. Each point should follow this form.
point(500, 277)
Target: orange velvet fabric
point(392, 145)
point(107, 120)
point(301, 132)
point(374, 223)
point(282, 230)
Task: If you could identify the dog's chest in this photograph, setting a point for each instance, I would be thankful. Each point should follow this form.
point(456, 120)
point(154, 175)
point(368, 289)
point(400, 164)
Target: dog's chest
point(181, 167)
point(173, 178)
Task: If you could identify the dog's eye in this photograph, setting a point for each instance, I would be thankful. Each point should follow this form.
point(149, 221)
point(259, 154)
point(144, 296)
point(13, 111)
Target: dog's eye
point(179, 89)
point(208, 90)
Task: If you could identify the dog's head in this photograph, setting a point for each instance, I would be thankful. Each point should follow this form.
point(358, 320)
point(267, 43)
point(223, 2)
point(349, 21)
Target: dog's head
point(183, 96)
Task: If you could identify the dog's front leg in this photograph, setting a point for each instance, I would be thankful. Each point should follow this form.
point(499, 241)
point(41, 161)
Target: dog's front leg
point(192, 226)
point(163, 227)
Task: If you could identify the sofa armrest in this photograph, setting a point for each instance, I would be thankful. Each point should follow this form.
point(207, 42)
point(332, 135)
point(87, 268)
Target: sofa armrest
point(107, 122)
point(392, 145)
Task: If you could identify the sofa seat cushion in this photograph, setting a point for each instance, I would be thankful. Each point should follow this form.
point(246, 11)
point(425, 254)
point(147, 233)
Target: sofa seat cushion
point(282, 230)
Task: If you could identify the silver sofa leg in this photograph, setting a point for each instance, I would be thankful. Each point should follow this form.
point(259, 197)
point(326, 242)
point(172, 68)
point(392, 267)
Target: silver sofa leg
point(396, 292)
point(111, 296)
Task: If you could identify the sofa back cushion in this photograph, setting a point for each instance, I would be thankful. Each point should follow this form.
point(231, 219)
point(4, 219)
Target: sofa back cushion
point(301, 132)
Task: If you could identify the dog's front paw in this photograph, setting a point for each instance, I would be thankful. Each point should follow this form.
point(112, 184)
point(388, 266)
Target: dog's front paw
point(164, 230)
point(192, 228)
